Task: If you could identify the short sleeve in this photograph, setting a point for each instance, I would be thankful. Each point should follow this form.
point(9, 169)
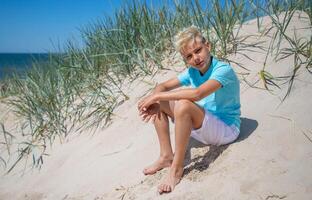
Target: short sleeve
point(224, 74)
point(184, 78)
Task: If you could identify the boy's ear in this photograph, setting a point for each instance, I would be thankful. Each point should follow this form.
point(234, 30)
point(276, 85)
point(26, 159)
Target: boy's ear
point(208, 45)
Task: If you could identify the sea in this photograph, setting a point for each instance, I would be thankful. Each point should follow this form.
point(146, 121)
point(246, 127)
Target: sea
point(19, 63)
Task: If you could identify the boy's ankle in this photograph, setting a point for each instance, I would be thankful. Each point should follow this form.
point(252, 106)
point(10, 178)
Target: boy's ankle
point(176, 168)
point(166, 157)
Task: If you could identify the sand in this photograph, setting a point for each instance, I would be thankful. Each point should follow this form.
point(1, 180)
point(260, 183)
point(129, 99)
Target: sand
point(272, 159)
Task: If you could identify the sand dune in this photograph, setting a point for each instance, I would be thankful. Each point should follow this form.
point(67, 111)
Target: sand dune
point(272, 159)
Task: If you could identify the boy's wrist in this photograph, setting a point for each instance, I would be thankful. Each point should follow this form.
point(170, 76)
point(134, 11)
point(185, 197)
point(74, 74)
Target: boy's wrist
point(156, 97)
point(159, 88)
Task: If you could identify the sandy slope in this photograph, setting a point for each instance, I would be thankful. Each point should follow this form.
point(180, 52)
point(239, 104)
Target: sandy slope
point(272, 159)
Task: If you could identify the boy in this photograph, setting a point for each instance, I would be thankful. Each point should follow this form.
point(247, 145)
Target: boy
point(209, 111)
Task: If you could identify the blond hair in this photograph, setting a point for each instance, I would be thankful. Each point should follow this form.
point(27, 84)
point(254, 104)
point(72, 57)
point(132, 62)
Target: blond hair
point(186, 35)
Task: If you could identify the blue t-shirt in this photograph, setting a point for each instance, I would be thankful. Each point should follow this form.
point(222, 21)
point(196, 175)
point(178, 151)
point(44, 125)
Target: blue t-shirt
point(223, 103)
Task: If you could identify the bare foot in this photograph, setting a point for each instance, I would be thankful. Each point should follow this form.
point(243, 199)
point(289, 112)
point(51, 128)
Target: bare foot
point(158, 165)
point(171, 180)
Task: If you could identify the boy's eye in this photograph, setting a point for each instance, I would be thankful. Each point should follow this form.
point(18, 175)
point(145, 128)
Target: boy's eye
point(198, 50)
point(188, 57)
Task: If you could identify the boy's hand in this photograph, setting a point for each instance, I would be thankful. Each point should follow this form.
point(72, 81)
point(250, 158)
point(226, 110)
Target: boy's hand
point(151, 113)
point(146, 102)
point(148, 108)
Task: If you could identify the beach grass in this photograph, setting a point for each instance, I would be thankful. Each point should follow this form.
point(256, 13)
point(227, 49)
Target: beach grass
point(281, 13)
point(80, 88)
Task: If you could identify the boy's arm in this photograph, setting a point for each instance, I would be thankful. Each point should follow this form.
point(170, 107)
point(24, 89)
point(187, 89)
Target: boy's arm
point(194, 94)
point(154, 109)
point(162, 87)
point(167, 85)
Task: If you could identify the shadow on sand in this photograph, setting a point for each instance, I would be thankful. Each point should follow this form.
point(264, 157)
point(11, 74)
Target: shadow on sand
point(202, 162)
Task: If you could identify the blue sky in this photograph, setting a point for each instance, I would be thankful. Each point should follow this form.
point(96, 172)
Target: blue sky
point(34, 25)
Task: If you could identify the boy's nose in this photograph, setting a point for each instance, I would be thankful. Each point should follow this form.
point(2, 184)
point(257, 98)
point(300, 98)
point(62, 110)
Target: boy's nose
point(197, 59)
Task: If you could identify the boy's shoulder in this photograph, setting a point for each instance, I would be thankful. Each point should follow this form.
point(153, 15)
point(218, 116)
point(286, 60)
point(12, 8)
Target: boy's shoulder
point(219, 63)
point(222, 66)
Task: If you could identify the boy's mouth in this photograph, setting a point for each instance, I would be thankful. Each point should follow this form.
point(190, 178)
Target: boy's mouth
point(200, 63)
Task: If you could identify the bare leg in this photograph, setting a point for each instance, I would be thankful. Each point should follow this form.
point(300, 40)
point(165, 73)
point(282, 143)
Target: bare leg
point(187, 115)
point(162, 128)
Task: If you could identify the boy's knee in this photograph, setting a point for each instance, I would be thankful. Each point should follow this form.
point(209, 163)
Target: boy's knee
point(182, 107)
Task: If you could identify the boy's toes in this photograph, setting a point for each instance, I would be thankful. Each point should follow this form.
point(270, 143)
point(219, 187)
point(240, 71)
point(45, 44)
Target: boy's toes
point(160, 189)
point(148, 171)
point(168, 188)
point(164, 188)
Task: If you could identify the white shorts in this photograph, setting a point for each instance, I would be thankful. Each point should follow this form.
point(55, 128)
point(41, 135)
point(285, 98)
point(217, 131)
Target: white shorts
point(215, 132)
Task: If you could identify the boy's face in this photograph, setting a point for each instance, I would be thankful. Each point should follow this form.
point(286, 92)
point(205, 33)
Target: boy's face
point(197, 54)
